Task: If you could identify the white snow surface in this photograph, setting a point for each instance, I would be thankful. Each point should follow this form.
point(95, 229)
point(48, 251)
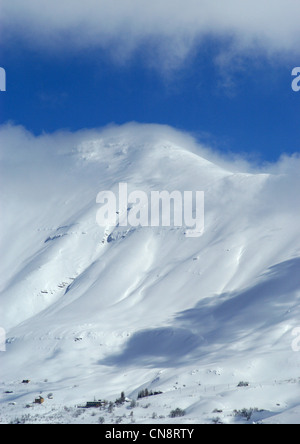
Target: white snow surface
point(90, 312)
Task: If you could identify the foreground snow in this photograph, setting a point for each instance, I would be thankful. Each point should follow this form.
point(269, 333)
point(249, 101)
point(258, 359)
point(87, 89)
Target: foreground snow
point(90, 312)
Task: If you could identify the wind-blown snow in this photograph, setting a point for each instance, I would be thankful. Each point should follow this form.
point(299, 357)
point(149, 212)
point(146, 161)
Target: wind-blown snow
point(90, 312)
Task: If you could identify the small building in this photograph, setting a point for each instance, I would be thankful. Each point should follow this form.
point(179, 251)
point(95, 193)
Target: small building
point(39, 400)
point(94, 404)
point(26, 381)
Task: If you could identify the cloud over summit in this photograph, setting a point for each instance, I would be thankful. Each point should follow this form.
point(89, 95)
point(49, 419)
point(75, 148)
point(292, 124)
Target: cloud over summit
point(173, 27)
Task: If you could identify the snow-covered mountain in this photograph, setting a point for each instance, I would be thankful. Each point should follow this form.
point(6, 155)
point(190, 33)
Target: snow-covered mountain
point(90, 311)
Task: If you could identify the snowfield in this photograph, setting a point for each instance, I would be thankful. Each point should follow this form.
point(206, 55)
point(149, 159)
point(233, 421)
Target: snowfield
point(91, 312)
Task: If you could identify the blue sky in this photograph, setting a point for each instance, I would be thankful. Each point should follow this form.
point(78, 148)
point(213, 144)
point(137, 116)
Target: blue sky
point(234, 98)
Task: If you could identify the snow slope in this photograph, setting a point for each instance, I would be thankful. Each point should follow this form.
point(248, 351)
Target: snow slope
point(90, 312)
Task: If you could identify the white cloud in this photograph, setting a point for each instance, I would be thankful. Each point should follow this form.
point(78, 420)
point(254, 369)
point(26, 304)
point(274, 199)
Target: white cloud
point(172, 27)
point(19, 146)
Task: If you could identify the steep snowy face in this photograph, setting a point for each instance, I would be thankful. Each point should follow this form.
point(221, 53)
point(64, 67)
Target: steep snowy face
point(55, 250)
point(50, 235)
point(139, 296)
